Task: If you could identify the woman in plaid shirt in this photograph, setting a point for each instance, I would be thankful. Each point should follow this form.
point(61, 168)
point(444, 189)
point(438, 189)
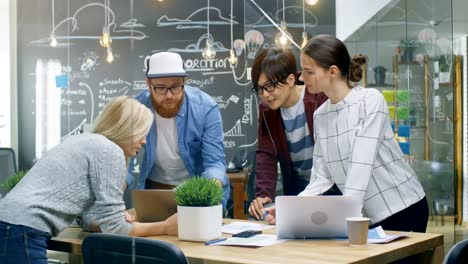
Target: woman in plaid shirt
point(355, 147)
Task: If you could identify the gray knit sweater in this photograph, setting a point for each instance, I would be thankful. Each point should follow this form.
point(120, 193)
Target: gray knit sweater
point(83, 171)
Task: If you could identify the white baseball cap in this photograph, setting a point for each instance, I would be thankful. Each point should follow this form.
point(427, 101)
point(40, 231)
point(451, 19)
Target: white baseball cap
point(165, 64)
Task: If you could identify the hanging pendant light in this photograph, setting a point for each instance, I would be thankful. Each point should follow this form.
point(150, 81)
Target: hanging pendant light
point(110, 55)
point(232, 58)
point(106, 39)
point(304, 33)
point(283, 38)
point(232, 54)
point(208, 53)
point(312, 2)
point(304, 40)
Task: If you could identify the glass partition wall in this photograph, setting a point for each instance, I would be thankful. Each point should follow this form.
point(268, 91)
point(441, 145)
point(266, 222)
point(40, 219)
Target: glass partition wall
point(409, 46)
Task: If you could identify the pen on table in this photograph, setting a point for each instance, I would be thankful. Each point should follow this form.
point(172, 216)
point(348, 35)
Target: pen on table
point(215, 241)
point(265, 213)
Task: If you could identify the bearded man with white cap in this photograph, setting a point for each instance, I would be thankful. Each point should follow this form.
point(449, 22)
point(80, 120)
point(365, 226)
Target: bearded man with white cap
point(186, 138)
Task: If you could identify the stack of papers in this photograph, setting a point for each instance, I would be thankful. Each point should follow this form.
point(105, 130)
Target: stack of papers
point(377, 236)
point(237, 227)
point(255, 241)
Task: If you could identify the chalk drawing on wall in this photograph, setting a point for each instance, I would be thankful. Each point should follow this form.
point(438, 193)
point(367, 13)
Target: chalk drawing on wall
point(110, 88)
point(250, 115)
point(82, 84)
point(89, 61)
point(293, 15)
point(196, 19)
point(235, 131)
point(253, 42)
point(223, 104)
point(75, 131)
point(70, 28)
point(200, 44)
point(139, 85)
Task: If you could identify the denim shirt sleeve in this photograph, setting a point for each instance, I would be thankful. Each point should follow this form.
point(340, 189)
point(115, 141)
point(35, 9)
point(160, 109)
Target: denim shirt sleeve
point(213, 147)
point(213, 151)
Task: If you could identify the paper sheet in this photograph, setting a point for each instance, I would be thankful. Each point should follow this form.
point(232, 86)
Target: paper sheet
point(377, 236)
point(237, 227)
point(255, 241)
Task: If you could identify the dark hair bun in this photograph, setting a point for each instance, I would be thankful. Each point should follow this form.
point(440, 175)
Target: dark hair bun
point(355, 69)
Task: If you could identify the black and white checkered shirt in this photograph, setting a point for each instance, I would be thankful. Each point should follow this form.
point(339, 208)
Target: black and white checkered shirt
point(355, 148)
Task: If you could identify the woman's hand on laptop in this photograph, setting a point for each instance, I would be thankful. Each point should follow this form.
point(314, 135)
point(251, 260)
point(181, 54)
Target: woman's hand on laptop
point(256, 207)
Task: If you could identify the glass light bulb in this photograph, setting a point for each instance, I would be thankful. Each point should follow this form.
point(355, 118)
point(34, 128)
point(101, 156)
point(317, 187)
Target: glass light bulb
point(106, 39)
point(304, 39)
point(53, 41)
point(282, 40)
point(311, 2)
point(232, 58)
point(110, 55)
point(209, 52)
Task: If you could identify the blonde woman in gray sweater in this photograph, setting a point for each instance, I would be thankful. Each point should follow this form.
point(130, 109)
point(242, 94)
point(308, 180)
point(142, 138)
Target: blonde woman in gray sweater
point(85, 170)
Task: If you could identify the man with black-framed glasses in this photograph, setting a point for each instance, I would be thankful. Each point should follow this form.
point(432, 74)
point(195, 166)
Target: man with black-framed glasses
point(285, 128)
point(186, 138)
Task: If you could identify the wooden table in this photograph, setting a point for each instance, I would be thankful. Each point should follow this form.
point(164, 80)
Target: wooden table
point(428, 247)
point(239, 195)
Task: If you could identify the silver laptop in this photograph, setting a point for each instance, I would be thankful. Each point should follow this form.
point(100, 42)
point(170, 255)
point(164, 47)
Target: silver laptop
point(301, 217)
point(153, 205)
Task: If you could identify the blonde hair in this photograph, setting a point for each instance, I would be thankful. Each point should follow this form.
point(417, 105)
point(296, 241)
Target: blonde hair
point(124, 120)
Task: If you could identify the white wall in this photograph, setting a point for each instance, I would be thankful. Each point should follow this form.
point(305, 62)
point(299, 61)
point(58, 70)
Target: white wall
point(353, 14)
point(5, 93)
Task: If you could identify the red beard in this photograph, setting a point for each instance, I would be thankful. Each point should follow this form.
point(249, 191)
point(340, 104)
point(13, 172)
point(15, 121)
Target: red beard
point(167, 110)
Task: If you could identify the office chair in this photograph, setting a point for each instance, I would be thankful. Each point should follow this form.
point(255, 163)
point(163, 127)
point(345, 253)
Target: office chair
point(116, 249)
point(7, 165)
point(458, 253)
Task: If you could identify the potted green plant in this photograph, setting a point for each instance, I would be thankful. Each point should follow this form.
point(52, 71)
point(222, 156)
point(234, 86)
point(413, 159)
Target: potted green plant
point(444, 68)
point(379, 75)
point(407, 48)
point(199, 209)
point(10, 182)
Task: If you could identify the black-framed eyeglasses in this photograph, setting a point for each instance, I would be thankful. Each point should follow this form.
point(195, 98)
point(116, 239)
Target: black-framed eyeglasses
point(269, 87)
point(177, 89)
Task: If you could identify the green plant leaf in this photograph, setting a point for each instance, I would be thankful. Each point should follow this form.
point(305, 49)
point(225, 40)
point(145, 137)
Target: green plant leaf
point(10, 182)
point(199, 192)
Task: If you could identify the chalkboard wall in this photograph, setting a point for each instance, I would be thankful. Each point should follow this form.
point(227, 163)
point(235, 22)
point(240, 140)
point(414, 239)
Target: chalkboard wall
point(63, 88)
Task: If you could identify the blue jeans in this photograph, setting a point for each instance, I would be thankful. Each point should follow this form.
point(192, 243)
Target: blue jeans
point(22, 245)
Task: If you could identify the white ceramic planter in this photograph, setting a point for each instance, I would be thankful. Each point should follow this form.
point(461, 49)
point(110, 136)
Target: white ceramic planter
point(199, 223)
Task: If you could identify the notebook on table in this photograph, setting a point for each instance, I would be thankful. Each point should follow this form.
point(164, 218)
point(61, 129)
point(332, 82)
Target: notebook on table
point(302, 217)
point(153, 205)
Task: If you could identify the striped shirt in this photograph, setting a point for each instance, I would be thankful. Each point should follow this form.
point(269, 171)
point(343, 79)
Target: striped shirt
point(300, 143)
point(356, 149)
